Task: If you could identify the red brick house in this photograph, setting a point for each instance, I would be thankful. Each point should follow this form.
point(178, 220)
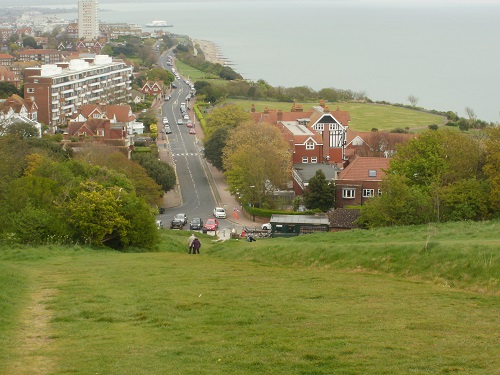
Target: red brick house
point(154, 88)
point(360, 181)
point(7, 76)
point(44, 56)
point(380, 144)
point(99, 130)
point(6, 59)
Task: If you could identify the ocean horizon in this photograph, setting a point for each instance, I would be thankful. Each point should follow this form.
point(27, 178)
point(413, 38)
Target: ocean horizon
point(445, 55)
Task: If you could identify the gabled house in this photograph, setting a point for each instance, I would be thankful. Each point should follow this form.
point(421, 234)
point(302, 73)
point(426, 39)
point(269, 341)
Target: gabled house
point(16, 109)
point(117, 114)
point(72, 30)
point(380, 144)
point(360, 181)
point(7, 76)
point(154, 88)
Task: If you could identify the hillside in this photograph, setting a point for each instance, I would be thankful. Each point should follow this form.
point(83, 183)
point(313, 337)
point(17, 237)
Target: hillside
point(399, 300)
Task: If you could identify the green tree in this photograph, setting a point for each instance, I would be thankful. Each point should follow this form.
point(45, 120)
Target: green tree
point(7, 89)
point(466, 199)
point(29, 42)
point(163, 173)
point(94, 214)
point(22, 129)
point(160, 75)
point(257, 162)
point(399, 204)
point(229, 115)
point(214, 146)
point(492, 166)
point(320, 193)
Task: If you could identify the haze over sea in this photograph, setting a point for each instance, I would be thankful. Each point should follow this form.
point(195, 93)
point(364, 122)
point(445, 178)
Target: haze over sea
point(445, 52)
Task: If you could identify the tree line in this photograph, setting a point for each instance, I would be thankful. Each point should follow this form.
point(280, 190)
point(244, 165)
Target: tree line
point(98, 196)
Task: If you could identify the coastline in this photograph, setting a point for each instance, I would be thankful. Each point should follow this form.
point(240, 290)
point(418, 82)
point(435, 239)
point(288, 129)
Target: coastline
point(210, 50)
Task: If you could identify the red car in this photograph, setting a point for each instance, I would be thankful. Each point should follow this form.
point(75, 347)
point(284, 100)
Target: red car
point(191, 131)
point(211, 224)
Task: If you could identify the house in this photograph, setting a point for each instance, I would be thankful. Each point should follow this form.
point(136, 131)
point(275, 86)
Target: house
point(294, 225)
point(100, 131)
point(137, 96)
point(154, 88)
point(8, 76)
point(117, 114)
point(360, 181)
point(379, 144)
point(6, 59)
point(16, 109)
point(302, 173)
point(92, 46)
point(72, 30)
point(44, 56)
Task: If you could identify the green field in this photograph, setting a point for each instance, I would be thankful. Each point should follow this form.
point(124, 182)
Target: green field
point(364, 116)
point(415, 300)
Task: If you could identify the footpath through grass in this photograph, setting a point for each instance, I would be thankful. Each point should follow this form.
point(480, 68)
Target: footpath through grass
point(304, 308)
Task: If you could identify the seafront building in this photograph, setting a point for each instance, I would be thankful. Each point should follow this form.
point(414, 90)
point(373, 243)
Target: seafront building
point(60, 89)
point(88, 19)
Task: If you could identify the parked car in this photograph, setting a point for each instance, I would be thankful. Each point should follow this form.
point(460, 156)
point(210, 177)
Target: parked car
point(182, 217)
point(212, 225)
point(266, 226)
point(186, 117)
point(196, 223)
point(180, 122)
point(165, 121)
point(220, 213)
point(189, 123)
point(176, 223)
point(168, 130)
point(191, 131)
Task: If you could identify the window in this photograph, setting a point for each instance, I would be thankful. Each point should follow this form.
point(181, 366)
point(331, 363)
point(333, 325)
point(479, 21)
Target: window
point(305, 159)
point(314, 159)
point(348, 193)
point(319, 127)
point(379, 192)
point(30, 90)
point(372, 173)
point(368, 193)
point(310, 146)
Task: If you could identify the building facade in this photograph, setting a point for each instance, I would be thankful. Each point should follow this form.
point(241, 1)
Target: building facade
point(88, 19)
point(60, 89)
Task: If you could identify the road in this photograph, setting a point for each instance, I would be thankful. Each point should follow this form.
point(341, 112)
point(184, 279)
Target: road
point(186, 156)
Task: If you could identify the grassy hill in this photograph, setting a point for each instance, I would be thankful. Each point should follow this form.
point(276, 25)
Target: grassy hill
point(397, 300)
point(364, 116)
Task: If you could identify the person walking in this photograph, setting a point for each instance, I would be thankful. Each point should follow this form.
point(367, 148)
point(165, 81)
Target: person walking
point(190, 242)
point(196, 246)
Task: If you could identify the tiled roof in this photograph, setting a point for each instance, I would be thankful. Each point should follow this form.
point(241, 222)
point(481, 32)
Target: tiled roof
point(344, 218)
point(122, 113)
point(5, 56)
point(360, 169)
point(40, 52)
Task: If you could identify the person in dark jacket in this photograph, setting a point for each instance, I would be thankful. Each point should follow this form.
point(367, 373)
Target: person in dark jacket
point(196, 246)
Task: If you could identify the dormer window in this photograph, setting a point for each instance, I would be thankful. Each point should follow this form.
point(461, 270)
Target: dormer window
point(310, 145)
point(372, 173)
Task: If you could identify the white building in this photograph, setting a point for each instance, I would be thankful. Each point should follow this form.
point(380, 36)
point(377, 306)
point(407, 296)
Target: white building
point(60, 89)
point(88, 19)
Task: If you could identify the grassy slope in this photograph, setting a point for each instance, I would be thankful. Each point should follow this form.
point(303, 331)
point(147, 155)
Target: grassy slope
point(364, 116)
point(303, 305)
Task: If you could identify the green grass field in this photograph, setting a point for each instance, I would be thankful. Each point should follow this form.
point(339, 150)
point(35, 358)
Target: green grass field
point(364, 116)
point(415, 300)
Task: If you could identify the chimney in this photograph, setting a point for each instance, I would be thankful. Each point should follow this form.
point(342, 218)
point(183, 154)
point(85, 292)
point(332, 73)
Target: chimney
point(280, 115)
point(322, 103)
point(253, 108)
point(266, 110)
point(325, 109)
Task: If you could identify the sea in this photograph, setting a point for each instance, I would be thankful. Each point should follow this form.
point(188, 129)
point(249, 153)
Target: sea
point(446, 53)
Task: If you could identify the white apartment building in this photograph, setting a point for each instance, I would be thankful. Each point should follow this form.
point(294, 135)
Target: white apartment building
point(88, 19)
point(60, 89)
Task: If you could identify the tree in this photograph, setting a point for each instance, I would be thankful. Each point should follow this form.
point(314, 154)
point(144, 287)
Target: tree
point(413, 100)
point(163, 173)
point(214, 146)
point(320, 193)
point(7, 89)
point(257, 162)
point(22, 129)
point(29, 41)
point(94, 214)
point(229, 115)
point(492, 166)
point(160, 74)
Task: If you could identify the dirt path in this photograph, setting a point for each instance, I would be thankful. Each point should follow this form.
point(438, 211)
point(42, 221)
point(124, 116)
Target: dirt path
point(33, 338)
